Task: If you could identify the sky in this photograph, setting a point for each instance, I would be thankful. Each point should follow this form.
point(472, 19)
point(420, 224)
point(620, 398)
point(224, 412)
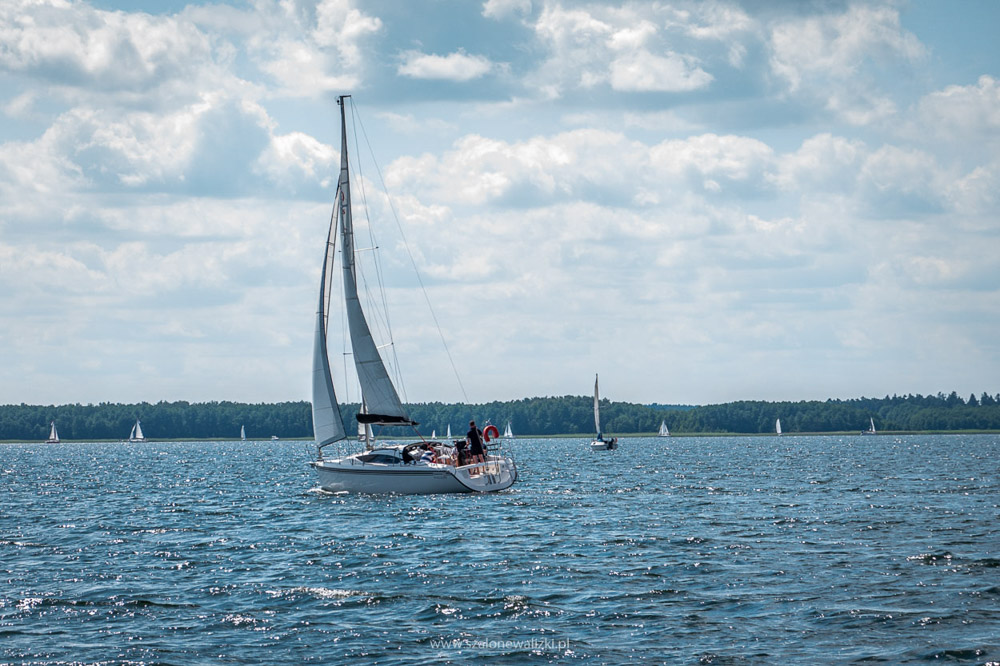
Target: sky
point(701, 201)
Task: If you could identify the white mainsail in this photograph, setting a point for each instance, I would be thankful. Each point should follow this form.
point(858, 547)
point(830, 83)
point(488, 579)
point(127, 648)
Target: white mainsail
point(243, 433)
point(597, 409)
point(449, 431)
point(664, 430)
point(777, 426)
point(507, 432)
point(53, 434)
point(377, 389)
point(136, 434)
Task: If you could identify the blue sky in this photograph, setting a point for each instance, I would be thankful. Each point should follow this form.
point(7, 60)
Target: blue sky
point(702, 201)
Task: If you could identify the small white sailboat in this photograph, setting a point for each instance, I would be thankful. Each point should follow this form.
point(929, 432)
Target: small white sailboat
point(871, 428)
point(600, 444)
point(777, 427)
point(53, 435)
point(664, 430)
point(385, 468)
point(243, 433)
point(448, 436)
point(507, 434)
point(136, 434)
point(434, 434)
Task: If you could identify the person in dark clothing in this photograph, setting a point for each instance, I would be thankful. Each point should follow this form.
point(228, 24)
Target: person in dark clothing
point(475, 440)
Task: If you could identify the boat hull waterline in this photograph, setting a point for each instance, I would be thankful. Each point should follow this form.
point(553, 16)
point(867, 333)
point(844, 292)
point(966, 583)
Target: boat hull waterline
point(352, 476)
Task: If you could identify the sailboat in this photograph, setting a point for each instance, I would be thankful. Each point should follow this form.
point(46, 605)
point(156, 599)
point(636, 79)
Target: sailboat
point(136, 434)
point(600, 444)
point(384, 468)
point(871, 428)
point(777, 427)
point(53, 435)
point(448, 436)
point(664, 430)
point(243, 434)
point(434, 434)
point(507, 434)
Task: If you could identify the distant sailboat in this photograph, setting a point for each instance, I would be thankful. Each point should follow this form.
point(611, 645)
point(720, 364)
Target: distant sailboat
point(600, 444)
point(243, 434)
point(136, 434)
point(664, 430)
point(871, 428)
point(53, 435)
point(777, 427)
point(507, 434)
point(449, 431)
point(434, 434)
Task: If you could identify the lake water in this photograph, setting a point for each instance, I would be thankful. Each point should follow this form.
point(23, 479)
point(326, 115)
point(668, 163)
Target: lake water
point(729, 550)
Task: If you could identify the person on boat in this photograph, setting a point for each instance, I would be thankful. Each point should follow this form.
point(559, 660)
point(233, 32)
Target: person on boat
point(474, 438)
point(460, 454)
point(428, 455)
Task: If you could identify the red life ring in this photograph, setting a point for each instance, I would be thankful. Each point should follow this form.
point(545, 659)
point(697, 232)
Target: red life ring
point(487, 433)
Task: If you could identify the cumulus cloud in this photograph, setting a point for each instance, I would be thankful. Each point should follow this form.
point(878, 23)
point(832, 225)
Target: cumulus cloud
point(826, 56)
point(624, 49)
point(498, 9)
point(457, 66)
point(77, 45)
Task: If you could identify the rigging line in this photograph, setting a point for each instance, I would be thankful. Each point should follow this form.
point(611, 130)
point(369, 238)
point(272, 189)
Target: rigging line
point(423, 289)
point(355, 121)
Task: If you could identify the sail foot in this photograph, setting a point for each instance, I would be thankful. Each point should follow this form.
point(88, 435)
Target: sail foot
point(385, 419)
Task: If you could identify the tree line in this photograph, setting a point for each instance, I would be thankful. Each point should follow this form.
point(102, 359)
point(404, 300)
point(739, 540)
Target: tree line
point(566, 415)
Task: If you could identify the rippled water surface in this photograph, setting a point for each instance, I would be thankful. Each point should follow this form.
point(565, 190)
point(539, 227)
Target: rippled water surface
point(681, 550)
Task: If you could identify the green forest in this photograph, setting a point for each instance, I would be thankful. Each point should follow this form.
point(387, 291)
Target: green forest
point(567, 415)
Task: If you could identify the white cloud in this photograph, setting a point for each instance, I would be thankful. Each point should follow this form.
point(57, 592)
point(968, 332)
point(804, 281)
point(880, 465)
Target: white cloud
point(457, 66)
point(827, 56)
point(77, 45)
point(966, 118)
point(643, 71)
point(499, 9)
point(623, 48)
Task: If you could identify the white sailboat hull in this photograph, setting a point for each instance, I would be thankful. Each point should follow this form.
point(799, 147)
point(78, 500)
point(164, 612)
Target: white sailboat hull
point(604, 445)
point(352, 476)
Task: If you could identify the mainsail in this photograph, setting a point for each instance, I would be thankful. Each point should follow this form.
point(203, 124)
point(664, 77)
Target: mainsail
point(597, 409)
point(384, 406)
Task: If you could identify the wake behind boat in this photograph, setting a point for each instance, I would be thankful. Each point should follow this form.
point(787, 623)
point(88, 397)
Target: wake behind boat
point(417, 468)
